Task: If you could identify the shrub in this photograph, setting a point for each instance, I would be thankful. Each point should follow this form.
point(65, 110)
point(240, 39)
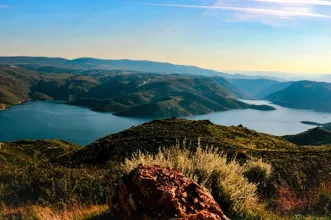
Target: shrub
point(315, 201)
point(257, 171)
point(225, 180)
point(53, 185)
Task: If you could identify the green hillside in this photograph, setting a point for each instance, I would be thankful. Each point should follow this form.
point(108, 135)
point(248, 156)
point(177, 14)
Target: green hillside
point(15, 84)
point(150, 136)
point(130, 94)
point(27, 152)
point(316, 137)
point(237, 142)
point(304, 95)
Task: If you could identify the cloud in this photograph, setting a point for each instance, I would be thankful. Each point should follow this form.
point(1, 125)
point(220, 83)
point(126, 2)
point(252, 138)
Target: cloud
point(299, 2)
point(251, 10)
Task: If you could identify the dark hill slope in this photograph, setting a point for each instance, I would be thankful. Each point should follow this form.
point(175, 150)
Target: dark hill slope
point(19, 84)
point(33, 152)
point(153, 135)
point(316, 136)
point(272, 89)
point(252, 87)
point(15, 84)
point(304, 95)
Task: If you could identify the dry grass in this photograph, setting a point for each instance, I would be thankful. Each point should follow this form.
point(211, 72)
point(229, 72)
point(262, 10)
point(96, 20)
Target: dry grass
point(75, 212)
point(224, 179)
point(257, 171)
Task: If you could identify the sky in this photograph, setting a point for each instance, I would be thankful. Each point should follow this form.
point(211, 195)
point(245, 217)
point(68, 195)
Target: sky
point(288, 36)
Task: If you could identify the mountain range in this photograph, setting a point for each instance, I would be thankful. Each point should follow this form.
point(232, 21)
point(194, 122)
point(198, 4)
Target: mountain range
point(129, 88)
point(80, 64)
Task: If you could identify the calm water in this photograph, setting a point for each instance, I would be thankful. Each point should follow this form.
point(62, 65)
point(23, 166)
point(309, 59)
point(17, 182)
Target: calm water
point(54, 120)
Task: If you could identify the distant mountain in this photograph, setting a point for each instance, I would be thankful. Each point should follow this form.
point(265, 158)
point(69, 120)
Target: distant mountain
point(123, 93)
point(316, 137)
point(304, 95)
point(272, 89)
point(252, 87)
point(59, 65)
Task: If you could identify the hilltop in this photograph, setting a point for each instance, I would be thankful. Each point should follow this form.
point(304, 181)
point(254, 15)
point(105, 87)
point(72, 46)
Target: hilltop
point(304, 95)
point(315, 136)
point(153, 135)
point(234, 141)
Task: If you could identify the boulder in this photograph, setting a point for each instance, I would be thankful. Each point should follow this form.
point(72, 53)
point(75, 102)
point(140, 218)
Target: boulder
point(162, 193)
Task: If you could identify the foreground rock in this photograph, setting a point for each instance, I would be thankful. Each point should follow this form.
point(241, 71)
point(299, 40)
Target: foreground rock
point(162, 193)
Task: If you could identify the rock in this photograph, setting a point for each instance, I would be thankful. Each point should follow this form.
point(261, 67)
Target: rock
point(162, 193)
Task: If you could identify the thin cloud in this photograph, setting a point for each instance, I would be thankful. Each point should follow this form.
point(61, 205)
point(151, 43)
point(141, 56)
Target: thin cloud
point(303, 2)
point(3, 6)
point(261, 11)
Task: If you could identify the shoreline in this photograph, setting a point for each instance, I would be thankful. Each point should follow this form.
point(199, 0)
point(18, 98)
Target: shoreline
point(8, 106)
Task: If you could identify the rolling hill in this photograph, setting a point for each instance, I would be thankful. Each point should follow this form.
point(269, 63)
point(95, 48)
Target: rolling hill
point(126, 94)
point(315, 137)
point(304, 95)
point(153, 135)
point(291, 163)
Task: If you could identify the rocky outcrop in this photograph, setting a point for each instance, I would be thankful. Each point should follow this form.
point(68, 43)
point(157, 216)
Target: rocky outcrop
point(162, 193)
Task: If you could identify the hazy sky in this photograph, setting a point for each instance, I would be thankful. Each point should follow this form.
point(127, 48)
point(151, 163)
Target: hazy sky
point(251, 35)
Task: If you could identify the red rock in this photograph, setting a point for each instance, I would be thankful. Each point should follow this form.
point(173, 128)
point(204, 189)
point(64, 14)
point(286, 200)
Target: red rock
point(162, 193)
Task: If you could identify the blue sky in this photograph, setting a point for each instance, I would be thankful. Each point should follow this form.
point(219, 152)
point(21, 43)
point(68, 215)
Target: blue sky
point(228, 35)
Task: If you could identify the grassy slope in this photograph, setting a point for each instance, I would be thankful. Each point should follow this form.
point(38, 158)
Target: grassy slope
point(291, 162)
point(304, 95)
point(33, 152)
point(316, 136)
point(150, 136)
point(15, 84)
point(165, 96)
